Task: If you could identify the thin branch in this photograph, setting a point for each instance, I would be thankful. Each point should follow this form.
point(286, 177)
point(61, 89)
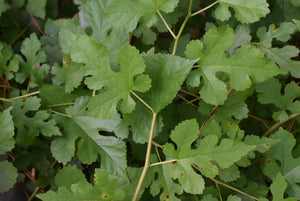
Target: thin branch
point(147, 159)
point(61, 104)
point(18, 36)
point(157, 145)
point(6, 100)
point(232, 188)
point(34, 193)
point(25, 96)
point(259, 119)
point(35, 22)
point(204, 9)
point(189, 93)
point(163, 162)
point(166, 24)
point(140, 99)
point(275, 126)
point(186, 100)
point(59, 113)
point(182, 27)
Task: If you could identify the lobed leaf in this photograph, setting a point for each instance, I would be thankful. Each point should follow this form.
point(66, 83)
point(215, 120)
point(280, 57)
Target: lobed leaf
point(8, 66)
point(7, 141)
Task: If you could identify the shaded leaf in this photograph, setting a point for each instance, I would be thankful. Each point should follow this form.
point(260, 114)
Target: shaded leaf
point(7, 66)
point(7, 141)
point(8, 175)
point(37, 8)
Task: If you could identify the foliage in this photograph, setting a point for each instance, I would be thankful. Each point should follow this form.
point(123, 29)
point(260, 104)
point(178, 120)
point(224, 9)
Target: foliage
point(205, 94)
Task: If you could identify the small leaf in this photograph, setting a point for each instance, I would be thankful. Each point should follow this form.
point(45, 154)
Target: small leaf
point(37, 8)
point(7, 66)
point(245, 11)
point(7, 141)
point(8, 175)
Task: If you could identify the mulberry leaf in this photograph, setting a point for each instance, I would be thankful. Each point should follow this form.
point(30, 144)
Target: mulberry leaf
point(7, 141)
point(204, 156)
point(37, 8)
point(125, 14)
point(32, 67)
point(248, 63)
point(105, 188)
point(245, 11)
point(7, 66)
point(29, 126)
point(8, 176)
point(117, 85)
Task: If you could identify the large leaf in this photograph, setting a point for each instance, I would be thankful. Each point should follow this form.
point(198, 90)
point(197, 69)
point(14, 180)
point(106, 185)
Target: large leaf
point(248, 64)
point(8, 175)
point(117, 85)
point(85, 130)
point(205, 157)
point(245, 11)
point(125, 14)
point(7, 141)
point(30, 126)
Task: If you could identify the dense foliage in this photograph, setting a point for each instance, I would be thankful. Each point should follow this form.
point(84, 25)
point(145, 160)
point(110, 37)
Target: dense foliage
point(150, 99)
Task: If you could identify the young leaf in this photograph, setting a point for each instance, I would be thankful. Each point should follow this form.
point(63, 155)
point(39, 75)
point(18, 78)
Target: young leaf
point(7, 67)
point(245, 11)
point(7, 141)
point(248, 63)
point(117, 86)
point(167, 73)
point(69, 74)
point(204, 156)
point(8, 175)
point(32, 67)
point(28, 127)
point(125, 14)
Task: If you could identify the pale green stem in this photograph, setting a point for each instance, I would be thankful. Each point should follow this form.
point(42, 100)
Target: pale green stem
point(59, 113)
point(61, 104)
point(275, 126)
point(164, 162)
point(182, 27)
point(5, 99)
point(19, 97)
point(166, 24)
point(140, 99)
point(204, 9)
point(147, 159)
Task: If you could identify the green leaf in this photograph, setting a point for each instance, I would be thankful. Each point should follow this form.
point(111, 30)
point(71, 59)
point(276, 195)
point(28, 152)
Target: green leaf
point(69, 74)
point(290, 166)
point(140, 122)
point(37, 8)
point(278, 187)
point(117, 85)
point(7, 66)
point(241, 37)
point(105, 188)
point(167, 73)
point(84, 132)
point(8, 175)
point(204, 156)
point(69, 175)
point(30, 126)
point(3, 6)
point(7, 141)
point(245, 11)
point(32, 67)
point(248, 64)
point(125, 14)
point(283, 57)
point(270, 92)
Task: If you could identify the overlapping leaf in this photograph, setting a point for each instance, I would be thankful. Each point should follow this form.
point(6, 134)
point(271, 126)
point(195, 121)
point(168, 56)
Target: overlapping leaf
point(248, 63)
point(6, 132)
point(269, 92)
point(37, 8)
point(32, 67)
point(8, 176)
point(7, 66)
point(105, 188)
point(205, 157)
point(85, 130)
point(29, 127)
point(125, 14)
point(117, 85)
point(245, 11)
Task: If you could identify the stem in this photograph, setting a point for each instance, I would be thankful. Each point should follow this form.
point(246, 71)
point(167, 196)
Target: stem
point(163, 162)
point(157, 145)
point(18, 36)
point(5, 99)
point(232, 188)
point(204, 9)
point(62, 114)
point(147, 159)
point(20, 97)
point(166, 24)
point(189, 93)
point(61, 104)
point(140, 99)
point(279, 124)
point(259, 119)
point(34, 193)
point(182, 27)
